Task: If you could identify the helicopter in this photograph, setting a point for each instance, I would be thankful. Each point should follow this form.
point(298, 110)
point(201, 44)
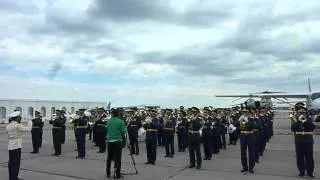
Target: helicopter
point(265, 101)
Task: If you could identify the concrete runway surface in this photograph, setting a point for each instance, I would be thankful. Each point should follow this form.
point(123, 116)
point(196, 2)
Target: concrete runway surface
point(278, 162)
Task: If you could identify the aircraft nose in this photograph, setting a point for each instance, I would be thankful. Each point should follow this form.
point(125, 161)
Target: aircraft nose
point(316, 103)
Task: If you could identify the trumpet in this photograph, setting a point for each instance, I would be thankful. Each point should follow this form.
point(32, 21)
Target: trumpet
point(302, 118)
point(293, 117)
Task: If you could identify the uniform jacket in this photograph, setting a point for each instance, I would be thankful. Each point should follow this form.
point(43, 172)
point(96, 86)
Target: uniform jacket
point(15, 134)
point(151, 129)
point(299, 126)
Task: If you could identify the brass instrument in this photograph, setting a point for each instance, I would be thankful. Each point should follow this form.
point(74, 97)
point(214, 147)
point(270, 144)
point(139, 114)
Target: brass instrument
point(128, 119)
point(243, 122)
point(293, 117)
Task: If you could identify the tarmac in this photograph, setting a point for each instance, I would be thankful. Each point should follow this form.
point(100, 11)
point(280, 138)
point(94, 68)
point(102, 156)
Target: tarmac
point(278, 162)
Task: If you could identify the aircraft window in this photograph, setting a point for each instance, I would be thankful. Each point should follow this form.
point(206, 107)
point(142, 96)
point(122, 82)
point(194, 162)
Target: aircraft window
point(30, 112)
point(3, 112)
point(53, 110)
point(315, 96)
point(65, 109)
point(43, 112)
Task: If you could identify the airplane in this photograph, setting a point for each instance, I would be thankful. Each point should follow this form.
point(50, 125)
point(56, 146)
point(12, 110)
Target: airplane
point(312, 99)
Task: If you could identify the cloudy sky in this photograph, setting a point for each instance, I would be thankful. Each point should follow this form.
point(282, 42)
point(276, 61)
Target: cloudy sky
point(166, 52)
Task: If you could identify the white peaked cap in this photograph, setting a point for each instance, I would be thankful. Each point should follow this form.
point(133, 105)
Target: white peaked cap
point(14, 114)
point(87, 113)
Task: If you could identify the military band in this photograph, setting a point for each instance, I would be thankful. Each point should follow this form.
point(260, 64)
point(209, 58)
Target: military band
point(191, 127)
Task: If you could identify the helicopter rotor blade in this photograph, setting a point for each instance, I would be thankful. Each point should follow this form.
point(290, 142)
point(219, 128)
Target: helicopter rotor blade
point(269, 92)
point(282, 101)
point(237, 99)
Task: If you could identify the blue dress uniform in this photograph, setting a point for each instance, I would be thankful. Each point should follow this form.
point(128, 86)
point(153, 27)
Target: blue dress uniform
point(57, 132)
point(182, 132)
point(36, 132)
point(63, 136)
point(151, 140)
point(207, 137)
point(160, 125)
point(216, 136)
point(223, 131)
point(263, 137)
point(133, 127)
point(247, 143)
point(257, 133)
point(270, 126)
point(100, 135)
point(194, 140)
point(304, 146)
point(168, 136)
point(81, 131)
point(237, 125)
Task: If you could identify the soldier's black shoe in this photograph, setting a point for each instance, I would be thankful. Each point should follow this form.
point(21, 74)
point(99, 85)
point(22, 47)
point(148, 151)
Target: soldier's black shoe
point(119, 177)
point(257, 161)
point(147, 162)
point(310, 175)
point(166, 155)
point(301, 174)
point(244, 170)
point(171, 155)
point(192, 166)
point(251, 171)
point(198, 167)
point(33, 152)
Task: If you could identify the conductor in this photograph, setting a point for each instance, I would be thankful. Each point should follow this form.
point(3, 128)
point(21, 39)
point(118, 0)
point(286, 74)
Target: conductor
point(15, 132)
point(116, 131)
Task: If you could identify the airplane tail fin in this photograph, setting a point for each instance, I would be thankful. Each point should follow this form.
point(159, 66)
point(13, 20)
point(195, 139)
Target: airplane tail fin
point(309, 84)
point(109, 106)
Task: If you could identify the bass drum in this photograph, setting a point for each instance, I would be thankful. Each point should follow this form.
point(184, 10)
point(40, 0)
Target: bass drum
point(141, 134)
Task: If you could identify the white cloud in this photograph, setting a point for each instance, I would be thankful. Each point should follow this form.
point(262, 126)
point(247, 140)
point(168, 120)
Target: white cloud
point(188, 51)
